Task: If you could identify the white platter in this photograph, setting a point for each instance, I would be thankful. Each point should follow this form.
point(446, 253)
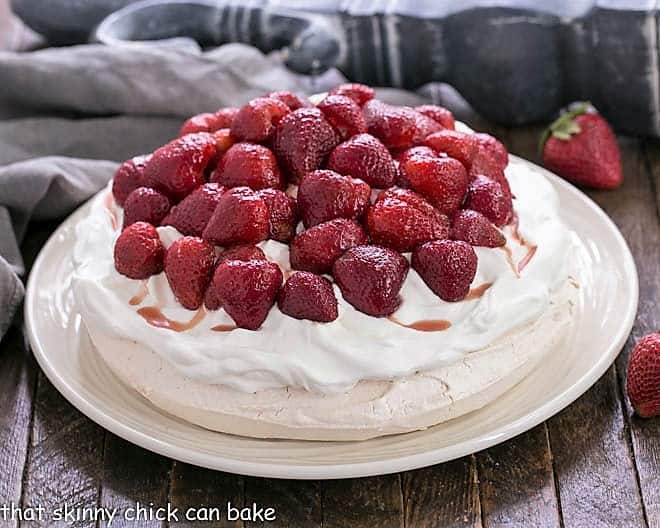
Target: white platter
point(608, 298)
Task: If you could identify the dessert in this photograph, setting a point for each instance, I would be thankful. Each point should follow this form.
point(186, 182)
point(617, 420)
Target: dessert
point(337, 271)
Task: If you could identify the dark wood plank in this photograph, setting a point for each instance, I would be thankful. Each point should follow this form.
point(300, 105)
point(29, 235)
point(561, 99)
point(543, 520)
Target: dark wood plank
point(517, 482)
point(363, 503)
point(17, 385)
point(445, 495)
point(297, 502)
point(65, 461)
point(590, 440)
point(192, 487)
point(131, 475)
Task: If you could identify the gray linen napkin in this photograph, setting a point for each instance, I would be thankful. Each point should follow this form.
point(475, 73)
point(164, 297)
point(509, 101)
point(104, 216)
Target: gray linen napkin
point(71, 113)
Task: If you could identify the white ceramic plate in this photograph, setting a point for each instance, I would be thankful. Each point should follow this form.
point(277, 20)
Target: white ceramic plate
point(608, 296)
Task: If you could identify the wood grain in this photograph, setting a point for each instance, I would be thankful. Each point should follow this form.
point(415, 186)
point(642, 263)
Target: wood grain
point(17, 384)
point(130, 475)
point(374, 502)
point(297, 502)
point(445, 495)
point(192, 487)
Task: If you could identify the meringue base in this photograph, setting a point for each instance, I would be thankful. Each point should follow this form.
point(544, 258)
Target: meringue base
point(370, 409)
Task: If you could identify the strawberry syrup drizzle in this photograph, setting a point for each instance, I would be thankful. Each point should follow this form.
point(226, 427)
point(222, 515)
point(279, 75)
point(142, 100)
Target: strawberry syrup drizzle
point(224, 328)
point(155, 317)
point(477, 292)
point(531, 249)
point(140, 294)
point(425, 325)
point(111, 211)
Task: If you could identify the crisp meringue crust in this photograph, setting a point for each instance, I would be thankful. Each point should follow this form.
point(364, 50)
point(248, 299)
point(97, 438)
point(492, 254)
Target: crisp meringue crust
point(333, 357)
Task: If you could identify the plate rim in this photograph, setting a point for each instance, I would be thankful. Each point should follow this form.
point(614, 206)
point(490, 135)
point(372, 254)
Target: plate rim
point(347, 470)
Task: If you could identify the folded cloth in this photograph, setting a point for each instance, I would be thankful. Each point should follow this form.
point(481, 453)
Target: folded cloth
point(71, 113)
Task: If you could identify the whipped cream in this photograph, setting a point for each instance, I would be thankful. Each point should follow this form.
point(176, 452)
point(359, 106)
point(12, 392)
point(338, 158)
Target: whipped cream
point(332, 357)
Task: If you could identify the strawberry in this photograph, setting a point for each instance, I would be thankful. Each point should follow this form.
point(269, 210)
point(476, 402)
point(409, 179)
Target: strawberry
point(292, 100)
point(282, 214)
point(395, 126)
point(447, 267)
point(223, 141)
point(475, 229)
point(209, 122)
point(211, 299)
point(308, 296)
point(407, 154)
point(487, 197)
point(317, 248)
point(188, 266)
point(245, 252)
point(145, 205)
point(439, 114)
point(402, 220)
point(324, 195)
point(247, 290)
point(370, 278)
point(643, 381)
point(425, 126)
point(364, 157)
point(191, 214)
point(241, 217)
point(138, 252)
point(344, 114)
point(249, 165)
point(495, 148)
point(581, 147)
point(457, 145)
point(485, 164)
point(257, 119)
point(442, 181)
point(360, 93)
point(302, 141)
point(129, 176)
point(178, 167)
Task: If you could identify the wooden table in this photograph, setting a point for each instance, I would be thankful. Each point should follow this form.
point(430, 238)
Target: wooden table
point(593, 465)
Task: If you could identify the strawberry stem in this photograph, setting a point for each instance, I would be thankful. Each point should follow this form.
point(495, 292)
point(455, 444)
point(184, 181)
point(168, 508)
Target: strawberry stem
point(565, 125)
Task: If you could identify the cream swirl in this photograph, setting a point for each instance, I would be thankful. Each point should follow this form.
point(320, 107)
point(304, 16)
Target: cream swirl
point(332, 357)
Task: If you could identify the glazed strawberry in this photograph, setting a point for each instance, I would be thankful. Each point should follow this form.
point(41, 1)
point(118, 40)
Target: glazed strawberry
point(494, 147)
point(303, 140)
point(425, 126)
point(442, 181)
point(282, 214)
point(248, 165)
point(223, 141)
point(487, 197)
point(643, 382)
point(370, 278)
point(407, 154)
point(485, 164)
point(209, 122)
point(257, 119)
point(402, 220)
point(317, 248)
point(129, 176)
point(247, 290)
point(292, 100)
point(247, 252)
point(191, 215)
point(360, 93)
point(394, 126)
point(138, 252)
point(241, 217)
point(447, 267)
point(145, 205)
point(177, 168)
point(457, 145)
point(581, 147)
point(364, 157)
point(344, 114)
point(439, 114)
point(188, 266)
point(475, 229)
point(308, 296)
point(324, 195)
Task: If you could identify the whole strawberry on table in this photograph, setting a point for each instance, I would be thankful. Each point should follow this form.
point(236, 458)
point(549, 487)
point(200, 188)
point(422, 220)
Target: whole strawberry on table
point(366, 181)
